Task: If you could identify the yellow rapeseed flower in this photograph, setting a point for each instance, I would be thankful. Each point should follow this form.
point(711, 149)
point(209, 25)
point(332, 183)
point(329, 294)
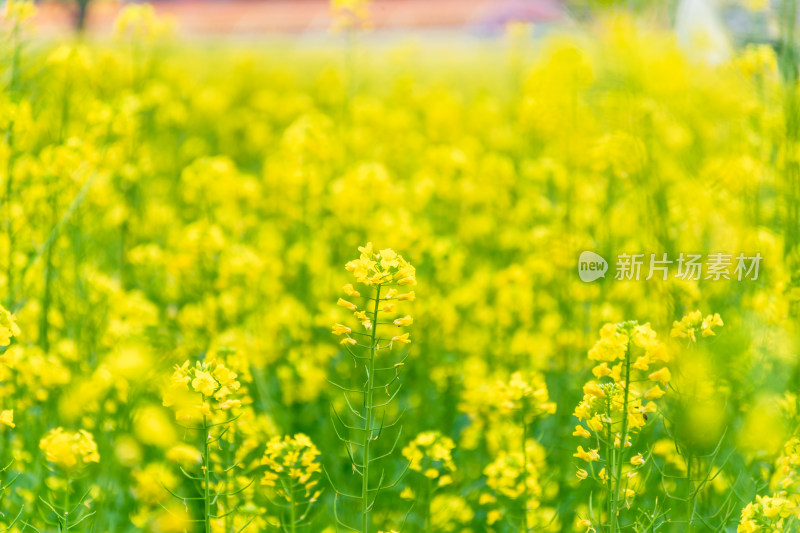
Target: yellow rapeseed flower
point(69, 450)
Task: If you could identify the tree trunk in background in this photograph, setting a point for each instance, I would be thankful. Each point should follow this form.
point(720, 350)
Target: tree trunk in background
point(81, 14)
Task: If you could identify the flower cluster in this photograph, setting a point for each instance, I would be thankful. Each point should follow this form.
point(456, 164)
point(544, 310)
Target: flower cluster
point(502, 407)
point(513, 477)
point(526, 393)
point(8, 326)
point(780, 510)
point(292, 467)
point(692, 323)
point(430, 453)
point(19, 11)
point(69, 451)
point(8, 330)
point(380, 269)
point(202, 389)
point(787, 468)
point(768, 513)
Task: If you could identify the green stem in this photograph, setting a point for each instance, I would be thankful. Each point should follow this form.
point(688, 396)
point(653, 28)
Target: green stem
point(525, 502)
point(10, 302)
point(692, 494)
point(66, 505)
point(207, 478)
point(609, 462)
point(368, 414)
point(428, 499)
point(623, 438)
point(15, 61)
point(229, 481)
point(292, 510)
point(48, 281)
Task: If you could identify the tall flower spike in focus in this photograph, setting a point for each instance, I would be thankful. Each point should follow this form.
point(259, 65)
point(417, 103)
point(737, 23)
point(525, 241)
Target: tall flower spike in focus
point(379, 328)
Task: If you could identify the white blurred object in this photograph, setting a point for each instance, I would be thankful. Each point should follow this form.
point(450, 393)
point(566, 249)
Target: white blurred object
point(701, 33)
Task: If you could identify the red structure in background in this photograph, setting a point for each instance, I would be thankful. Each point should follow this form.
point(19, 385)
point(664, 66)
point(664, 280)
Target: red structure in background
point(228, 17)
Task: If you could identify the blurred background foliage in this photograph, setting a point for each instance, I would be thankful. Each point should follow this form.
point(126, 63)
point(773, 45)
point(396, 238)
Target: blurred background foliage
point(168, 200)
